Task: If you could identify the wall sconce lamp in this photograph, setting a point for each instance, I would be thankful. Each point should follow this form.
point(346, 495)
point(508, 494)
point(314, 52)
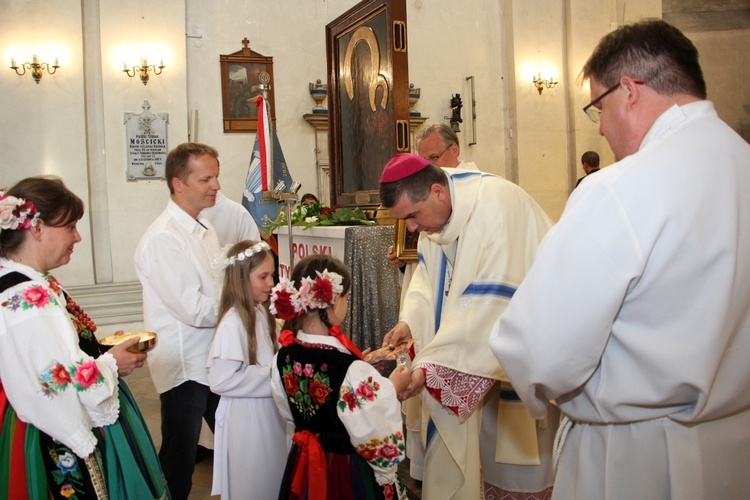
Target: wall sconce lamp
point(143, 70)
point(37, 68)
point(540, 84)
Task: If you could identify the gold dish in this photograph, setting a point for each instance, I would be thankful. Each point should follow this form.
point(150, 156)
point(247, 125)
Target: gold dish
point(147, 342)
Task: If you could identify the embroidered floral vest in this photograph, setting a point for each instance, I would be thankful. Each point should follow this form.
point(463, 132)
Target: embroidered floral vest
point(312, 378)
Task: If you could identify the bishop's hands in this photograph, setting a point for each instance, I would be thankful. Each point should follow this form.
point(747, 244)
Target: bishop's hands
point(398, 334)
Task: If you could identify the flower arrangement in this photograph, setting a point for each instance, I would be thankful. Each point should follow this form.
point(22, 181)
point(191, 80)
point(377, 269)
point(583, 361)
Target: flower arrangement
point(16, 213)
point(287, 302)
point(317, 214)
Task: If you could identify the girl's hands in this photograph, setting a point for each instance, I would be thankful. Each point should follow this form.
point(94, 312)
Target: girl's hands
point(400, 377)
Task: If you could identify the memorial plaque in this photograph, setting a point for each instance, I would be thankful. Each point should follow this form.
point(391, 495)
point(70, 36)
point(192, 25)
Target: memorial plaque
point(146, 143)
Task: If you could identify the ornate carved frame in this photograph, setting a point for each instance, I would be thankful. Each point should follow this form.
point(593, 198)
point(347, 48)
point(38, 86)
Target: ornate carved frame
point(237, 94)
point(368, 99)
point(405, 246)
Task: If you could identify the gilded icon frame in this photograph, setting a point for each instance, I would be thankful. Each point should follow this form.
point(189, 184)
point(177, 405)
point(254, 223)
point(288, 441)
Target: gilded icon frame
point(405, 245)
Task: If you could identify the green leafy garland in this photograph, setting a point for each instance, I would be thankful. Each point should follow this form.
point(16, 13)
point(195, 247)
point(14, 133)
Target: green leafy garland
point(308, 216)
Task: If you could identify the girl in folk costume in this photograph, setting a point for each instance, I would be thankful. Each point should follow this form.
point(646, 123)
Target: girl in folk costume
point(251, 443)
point(348, 436)
point(69, 426)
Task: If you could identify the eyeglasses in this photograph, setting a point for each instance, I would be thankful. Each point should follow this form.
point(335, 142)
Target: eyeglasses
point(595, 113)
point(434, 158)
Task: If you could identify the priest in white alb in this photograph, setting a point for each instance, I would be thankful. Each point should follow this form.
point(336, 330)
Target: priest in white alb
point(481, 237)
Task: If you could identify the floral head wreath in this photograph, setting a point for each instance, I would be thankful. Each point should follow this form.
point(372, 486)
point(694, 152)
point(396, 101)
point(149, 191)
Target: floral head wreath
point(288, 303)
point(16, 213)
point(249, 252)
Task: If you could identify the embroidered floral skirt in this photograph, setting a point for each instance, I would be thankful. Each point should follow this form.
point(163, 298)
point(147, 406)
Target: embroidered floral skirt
point(349, 477)
point(33, 465)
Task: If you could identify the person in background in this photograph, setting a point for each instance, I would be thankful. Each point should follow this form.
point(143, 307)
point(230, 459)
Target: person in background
point(480, 235)
point(438, 143)
point(69, 426)
point(309, 199)
point(251, 441)
point(231, 221)
point(348, 438)
point(589, 163)
point(174, 262)
point(653, 376)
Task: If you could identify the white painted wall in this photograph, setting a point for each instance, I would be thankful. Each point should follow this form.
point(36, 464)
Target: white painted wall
point(42, 124)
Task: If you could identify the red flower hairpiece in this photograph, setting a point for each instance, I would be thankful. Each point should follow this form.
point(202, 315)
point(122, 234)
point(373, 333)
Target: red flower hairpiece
point(288, 303)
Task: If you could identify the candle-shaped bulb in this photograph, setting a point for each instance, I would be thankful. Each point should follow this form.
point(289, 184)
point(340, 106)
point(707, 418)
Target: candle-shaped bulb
point(35, 59)
point(124, 66)
point(13, 63)
point(56, 62)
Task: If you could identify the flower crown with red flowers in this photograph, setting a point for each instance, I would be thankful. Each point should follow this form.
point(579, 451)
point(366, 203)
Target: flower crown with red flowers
point(287, 302)
point(16, 213)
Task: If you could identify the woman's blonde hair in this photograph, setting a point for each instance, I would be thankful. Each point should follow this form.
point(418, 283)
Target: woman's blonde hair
point(236, 293)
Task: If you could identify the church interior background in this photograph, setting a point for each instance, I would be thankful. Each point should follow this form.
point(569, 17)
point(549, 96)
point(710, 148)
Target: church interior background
point(72, 123)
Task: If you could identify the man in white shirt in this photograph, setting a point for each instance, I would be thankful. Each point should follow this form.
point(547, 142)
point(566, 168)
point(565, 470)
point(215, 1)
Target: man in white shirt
point(231, 221)
point(174, 261)
point(652, 370)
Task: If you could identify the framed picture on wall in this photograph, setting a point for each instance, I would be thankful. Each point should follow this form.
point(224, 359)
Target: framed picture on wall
point(368, 98)
point(405, 246)
point(243, 75)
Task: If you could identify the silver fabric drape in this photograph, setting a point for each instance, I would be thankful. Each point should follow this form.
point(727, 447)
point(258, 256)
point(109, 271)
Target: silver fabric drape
point(375, 296)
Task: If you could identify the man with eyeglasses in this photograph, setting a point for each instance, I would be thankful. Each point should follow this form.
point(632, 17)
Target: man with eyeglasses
point(438, 143)
point(653, 376)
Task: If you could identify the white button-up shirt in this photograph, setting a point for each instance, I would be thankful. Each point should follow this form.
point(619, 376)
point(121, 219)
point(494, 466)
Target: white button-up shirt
point(175, 262)
point(231, 221)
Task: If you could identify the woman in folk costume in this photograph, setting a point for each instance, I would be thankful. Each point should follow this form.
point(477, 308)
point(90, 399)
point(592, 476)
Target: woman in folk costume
point(348, 437)
point(69, 426)
point(250, 445)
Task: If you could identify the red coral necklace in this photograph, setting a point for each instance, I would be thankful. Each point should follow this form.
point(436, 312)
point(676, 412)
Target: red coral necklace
point(82, 320)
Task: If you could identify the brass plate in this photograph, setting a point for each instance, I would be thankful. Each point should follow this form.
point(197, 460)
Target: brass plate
point(147, 342)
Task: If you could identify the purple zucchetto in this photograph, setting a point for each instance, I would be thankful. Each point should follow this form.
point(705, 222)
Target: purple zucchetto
point(402, 165)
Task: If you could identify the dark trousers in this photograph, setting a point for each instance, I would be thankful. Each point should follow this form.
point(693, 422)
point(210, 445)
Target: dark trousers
point(182, 409)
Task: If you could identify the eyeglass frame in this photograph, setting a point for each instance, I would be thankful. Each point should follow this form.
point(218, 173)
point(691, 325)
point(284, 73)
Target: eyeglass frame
point(433, 158)
point(596, 113)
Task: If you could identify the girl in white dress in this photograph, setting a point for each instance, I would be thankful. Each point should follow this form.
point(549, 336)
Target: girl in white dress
point(251, 443)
